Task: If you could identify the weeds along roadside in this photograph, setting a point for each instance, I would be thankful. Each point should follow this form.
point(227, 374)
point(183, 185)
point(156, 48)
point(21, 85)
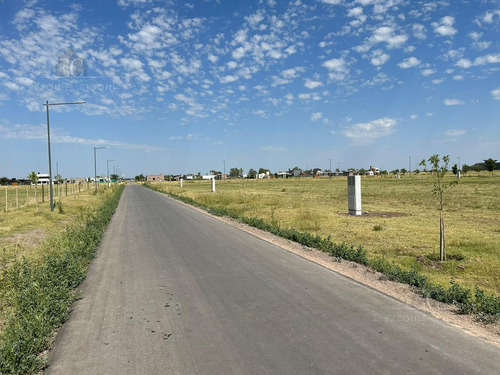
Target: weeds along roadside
point(36, 294)
point(485, 307)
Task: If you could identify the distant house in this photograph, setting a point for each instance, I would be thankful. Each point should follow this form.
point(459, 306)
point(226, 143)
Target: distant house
point(373, 171)
point(155, 177)
point(262, 175)
point(43, 179)
point(283, 174)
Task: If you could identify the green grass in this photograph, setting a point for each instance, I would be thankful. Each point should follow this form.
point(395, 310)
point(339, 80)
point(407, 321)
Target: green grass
point(36, 291)
point(409, 238)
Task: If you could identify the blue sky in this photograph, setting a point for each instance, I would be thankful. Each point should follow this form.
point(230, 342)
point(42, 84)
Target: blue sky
point(179, 87)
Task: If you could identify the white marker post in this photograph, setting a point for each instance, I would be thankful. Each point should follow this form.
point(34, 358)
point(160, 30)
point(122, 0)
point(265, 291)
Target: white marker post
point(354, 195)
point(182, 180)
point(213, 185)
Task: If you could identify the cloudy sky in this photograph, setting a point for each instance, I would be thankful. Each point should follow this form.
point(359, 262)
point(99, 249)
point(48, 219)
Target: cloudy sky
point(181, 87)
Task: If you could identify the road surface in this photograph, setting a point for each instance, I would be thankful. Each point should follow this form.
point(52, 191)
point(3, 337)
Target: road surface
point(175, 291)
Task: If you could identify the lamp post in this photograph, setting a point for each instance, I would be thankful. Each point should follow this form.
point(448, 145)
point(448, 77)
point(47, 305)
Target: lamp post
point(107, 164)
point(47, 104)
point(95, 165)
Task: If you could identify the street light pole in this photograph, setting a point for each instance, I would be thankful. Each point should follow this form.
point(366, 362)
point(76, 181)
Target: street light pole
point(47, 104)
point(95, 165)
point(107, 164)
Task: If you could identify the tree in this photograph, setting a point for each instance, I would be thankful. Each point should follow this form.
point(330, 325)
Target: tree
point(477, 168)
point(264, 170)
point(4, 181)
point(140, 177)
point(454, 169)
point(466, 168)
point(395, 171)
point(114, 177)
point(252, 173)
point(234, 172)
point(362, 171)
point(403, 171)
point(490, 165)
point(439, 166)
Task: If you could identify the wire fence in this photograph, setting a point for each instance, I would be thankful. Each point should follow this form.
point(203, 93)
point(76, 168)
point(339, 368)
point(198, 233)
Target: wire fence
point(15, 197)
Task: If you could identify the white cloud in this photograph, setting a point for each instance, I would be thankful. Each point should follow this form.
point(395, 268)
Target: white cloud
point(316, 116)
point(454, 132)
point(355, 12)
point(496, 94)
point(229, 78)
point(310, 84)
point(332, 2)
point(386, 34)
point(378, 57)
point(368, 132)
point(23, 131)
point(273, 149)
point(261, 113)
point(445, 26)
point(492, 58)
point(419, 31)
point(414, 117)
point(338, 69)
point(453, 102)
point(410, 62)
point(428, 72)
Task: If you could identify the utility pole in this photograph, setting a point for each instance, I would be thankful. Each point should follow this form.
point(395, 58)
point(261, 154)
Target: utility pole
point(47, 104)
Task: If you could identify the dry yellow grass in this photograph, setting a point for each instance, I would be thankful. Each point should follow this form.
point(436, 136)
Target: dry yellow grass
point(402, 222)
point(22, 229)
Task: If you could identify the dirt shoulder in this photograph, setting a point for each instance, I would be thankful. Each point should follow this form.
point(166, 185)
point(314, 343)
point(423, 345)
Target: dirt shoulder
point(488, 332)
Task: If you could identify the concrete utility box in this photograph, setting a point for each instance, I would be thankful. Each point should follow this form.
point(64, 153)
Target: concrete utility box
point(354, 195)
point(213, 185)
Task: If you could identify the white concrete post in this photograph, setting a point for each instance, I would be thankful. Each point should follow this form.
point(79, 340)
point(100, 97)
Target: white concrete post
point(458, 175)
point(354, 195)
point(182, 180)
point(213, 185)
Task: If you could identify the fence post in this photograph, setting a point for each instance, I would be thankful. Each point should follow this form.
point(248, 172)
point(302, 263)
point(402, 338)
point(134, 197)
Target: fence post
point(66, 186)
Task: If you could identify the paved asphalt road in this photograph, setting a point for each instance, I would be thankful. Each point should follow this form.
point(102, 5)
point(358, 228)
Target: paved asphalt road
point(174, 291)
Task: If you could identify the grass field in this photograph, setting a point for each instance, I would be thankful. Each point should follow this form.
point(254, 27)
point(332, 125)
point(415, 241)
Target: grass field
point(402, 223)
point(24, 226)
